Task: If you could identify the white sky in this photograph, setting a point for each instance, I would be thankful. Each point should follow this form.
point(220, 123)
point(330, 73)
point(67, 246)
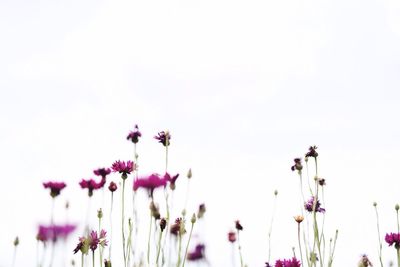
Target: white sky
point(243, 86)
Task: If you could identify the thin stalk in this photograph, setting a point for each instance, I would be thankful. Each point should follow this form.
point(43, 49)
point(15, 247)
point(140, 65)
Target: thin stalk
point(14, 256)
point(122, 221)
point(270, 227)
point(82, 260)
point(240, 250)
point(333, 250)
point(379, 235)
point(159, 247)
point(111, 209)
point(148, 241)
point(298, 237)
point(178, 263)
point(398, 256)
point(397, 215)
point(93, 261)
point(187, 245)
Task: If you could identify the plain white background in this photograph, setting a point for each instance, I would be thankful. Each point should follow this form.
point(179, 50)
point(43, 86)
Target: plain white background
point(244, 87)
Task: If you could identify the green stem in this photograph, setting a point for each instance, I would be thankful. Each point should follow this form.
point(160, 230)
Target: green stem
point(270, 228)
point(179, 249)
point(148, 241)
point(240, 250)
point(82, 259)
point(298, 237)
point(122, 220)
point(398, 257)
point(159, 247)
point(14, 256)
point(187, 245)
point(333, 250)
point(93, 258)
point(379, 235)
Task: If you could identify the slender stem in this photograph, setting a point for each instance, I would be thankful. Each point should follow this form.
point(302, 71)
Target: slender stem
point(122, 220)
point(270, 228)
point(111, 209)
point(379, 235)
point(93, 261)
point(398, 225)
point(82, 259)
point(159, 247)
point(14, 256)
point(148, 241)
point(398, 256)
point(333, 250)
point(298, 237)
point(166, 155)
point(187, 245)
point(178, 263)
point(240, 250)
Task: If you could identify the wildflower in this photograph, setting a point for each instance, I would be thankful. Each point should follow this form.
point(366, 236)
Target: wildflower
point(321, 181)
point(112, 187)
point(103, 172)
point(310, 204)
point(364, 261)
point(232, 237)
point(178, 227)
point(189, 174)
point(123, 167)
point(134, 135)
point(163, 224)
point(82, 246)
point(91, 185)
point(201, 211)
point(150, 182)
point(197, 253)
point(171, 180)
point(393, 238)
point(55, 187)
point(297, 165)
point(163, 138)
point(312, 152)
point(287, 263)
point(238, 226)
point(102, 238)
point(54, 232)
point(298, 218)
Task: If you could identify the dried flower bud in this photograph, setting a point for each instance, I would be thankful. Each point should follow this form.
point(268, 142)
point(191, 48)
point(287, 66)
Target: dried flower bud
point(201, 211)
point(100, 213)
point(193, 219)
point(163, 224)
point(238, 226)
point(66, 204)
point(189, 174)
point(155, 211)
point(321, 181)
point(298, 218)
point(16, 241)
point(276, 192)
point(375, 204)
point(107, 263)
point(396, 207)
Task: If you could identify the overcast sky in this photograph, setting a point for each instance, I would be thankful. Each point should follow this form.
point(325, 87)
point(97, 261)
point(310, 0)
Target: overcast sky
point(243, 86)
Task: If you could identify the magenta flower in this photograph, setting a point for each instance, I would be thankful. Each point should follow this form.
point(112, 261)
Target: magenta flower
point(310, 203)
point(393, 238)
point(232, 237)
point(103, 172)
point(171, 180)
point(82, 246)
point(54, 232)
point(238, 226)
point(55, 187)
point(112, 187)
point(288, 263)
point(197, 253)
point(163, 138)
point(134, 135)
point(123, 167)
point(150, 182)
point(94, 240)
point(178, 227)
point(91, 185)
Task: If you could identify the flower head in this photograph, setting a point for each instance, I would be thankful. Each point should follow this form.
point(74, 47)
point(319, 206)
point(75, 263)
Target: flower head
point(364, 261)
point(201, 211)
point(178, 228)
point(134, 135)
point(312, 152)
point(393, 238)
point(163, 138)
point(94, 240)
point(103, 172)
point(310, 204)
point(123, 167)
point(54, 232)
point(197, 253)
point(298, 218)
point(82, 246)
point(150, 182)
point(163, 224)
point(91, 185)
point(238, 226)
point(297, 165)
point(55, 187)
point(171, 180)
point(112, 187)
point(232, 237)
point(293, 262)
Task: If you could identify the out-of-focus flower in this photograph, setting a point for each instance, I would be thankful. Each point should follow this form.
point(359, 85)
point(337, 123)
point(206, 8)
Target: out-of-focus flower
point(54, 232)
point(150, 182)
point(238, 226)
point(293, 262)
point(297, 165)
point(92, 241)
point(393, 238)
point(312, 152)
point(91, 185)
point(197, 253)
point(310, 203)
point(82, 246)
point(155, 210)
point(178, 228)
point(298, 218)
point(134, 135)
point(201, 211)
point(189, 173)
point(103, 172)
point(123, 167)
point(364, 261)
point(163, 224)
point(267, 264)
point(16, 241)
point(163, 138)
point(232, 237)
point(112, 187)
point(171, 180)
point(55, 187)
point(321, 181)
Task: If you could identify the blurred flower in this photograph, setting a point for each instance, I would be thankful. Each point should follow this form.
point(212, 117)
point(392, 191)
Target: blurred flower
point(201, 211)
point(134, 135)
point(163, 224)
point(393, 238)
point(171, 180)
point(54, 232)
point(297, 165)
point(103, 172)
point(312, 152)
point(112, 187)
point(310, 203)
point(321, 181)
point(238, 226)
point(16, 241)
point(197, 253)
point(55, 187)
point(267, 264)
point(178, 227)
point(288, 263)
point(91, 185)
point(163, 138)
point(82, 246)
point(150, 182)
point(364, 261)
point(107, 263)
point(298, 218)
point(123, 167)
point(232, 237)
point(155, 210)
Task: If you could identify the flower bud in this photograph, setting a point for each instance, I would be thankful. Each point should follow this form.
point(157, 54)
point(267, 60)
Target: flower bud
point(189, 174)
point(163, 224)
point(396, 207)
point(16, 241)
point(100, 214)
point(298, 218)
point(193, 219)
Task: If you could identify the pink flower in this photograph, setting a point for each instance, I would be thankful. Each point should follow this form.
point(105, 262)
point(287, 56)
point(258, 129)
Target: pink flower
point(134, 135)
point(91, 185)
point(103, 172)
point(232, 237)
point(150, 182)
point(123, 167)
point(288, 263)
point(163, 138)
point(55, 187)
point(197, 253)
point(393, 238)
point(112, 187)
point(54, 232)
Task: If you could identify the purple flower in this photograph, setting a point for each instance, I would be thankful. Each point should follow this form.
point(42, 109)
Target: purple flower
point(310, 203)
point(393, 238)
point(54, 232)
point(123, 167)
point(178, 227)
point(103, 172)
point(287, 263)
point(134, 135)
point(55, 187)
point(163, 138)
point(312, 152)
point(171, 180)
point(112, 187)
point(197, 253)
point(150, 182)
point(94, 240)
point(91, 185)
point(297, 165)
point(82, 246)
